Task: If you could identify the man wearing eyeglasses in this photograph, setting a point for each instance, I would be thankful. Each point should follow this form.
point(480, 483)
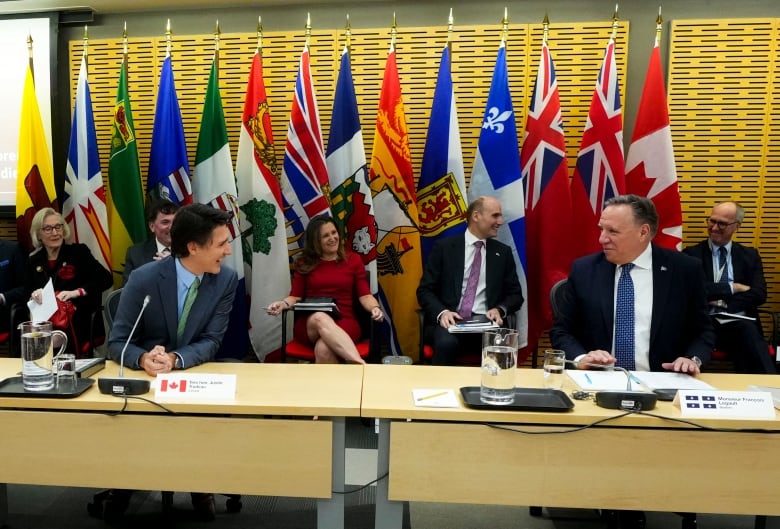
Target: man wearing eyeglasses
point(734, 283)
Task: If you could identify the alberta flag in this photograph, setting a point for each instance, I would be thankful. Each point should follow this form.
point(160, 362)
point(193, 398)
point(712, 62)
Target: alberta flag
point(169, 170)
point(497, 173)
point(304, 171)
point(126, 222)
point(548, 217)
point(84, 207)
point(650, 167)
point(262, 215)
point(600, 171)
point(441, 189)
point(214, 184)
point(350, 196)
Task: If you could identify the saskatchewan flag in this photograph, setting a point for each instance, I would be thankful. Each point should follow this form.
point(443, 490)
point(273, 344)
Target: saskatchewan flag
point(126, 222)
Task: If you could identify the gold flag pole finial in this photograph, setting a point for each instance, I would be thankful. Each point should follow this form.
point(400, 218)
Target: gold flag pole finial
point(615, 23)
point(260, 35)
point(30, 54)
point(348, 35)
point(217, 33)
point(658, 25)
point(308, 29)
point(545, 29)
point(86, 42)
point(393, 32)
point(124, 39)
point(450, 24)
point(168, 38)
point(505, 26)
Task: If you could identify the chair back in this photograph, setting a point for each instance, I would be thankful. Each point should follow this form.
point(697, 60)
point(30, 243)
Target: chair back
point(558, 294)
point(110, 306)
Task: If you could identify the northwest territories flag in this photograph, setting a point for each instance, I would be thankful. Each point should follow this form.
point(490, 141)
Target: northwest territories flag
point(84, 207)
point(262, 215)
point(169, 170)
point(497, 173)
point(441, 189)
point(214, 184)
point(350, 196)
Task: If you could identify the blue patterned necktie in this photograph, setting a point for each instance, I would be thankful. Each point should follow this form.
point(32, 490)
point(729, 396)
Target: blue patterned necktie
point(624, 319)
point(470, 294)
point(723, 265)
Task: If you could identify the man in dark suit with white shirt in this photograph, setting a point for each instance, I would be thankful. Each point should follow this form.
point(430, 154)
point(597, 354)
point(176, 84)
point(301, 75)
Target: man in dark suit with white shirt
point(444, 286)
point(159, 217)
point(734, 283)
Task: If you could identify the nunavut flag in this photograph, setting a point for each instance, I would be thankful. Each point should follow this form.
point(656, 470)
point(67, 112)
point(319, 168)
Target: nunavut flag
point(600, 171)
point(399, 261)
point(35, 173)
point(650, 168)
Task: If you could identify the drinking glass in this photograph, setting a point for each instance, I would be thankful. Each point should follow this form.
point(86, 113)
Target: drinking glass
point(554, 368)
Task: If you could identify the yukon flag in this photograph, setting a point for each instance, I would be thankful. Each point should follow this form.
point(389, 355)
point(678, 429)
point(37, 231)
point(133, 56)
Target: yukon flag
point(169, 169)
point(214, 184)
point(441, 190)
point(350, 196)
point(497, 173)
point(126, 222)
point(262, 216)
point(304, 171)
point(650, 167)
point(548, 219)
point(84, 208)
point(600, 171)
point(35, 173)
point(399, 262)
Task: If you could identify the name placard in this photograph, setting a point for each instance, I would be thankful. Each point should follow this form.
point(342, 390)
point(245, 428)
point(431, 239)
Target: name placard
point(178, 386)
point(725, 404)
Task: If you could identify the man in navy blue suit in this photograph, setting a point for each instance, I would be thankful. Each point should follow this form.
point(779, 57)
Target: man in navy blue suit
point(159, 218)
point(734, 283)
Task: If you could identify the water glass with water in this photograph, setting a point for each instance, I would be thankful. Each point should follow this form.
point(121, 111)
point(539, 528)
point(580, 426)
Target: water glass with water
point(499, 366)
point(65, 372)
point(554, 368)
point(37, 354)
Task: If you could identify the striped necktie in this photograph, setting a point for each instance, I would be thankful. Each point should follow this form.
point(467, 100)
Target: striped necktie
point(192, 293)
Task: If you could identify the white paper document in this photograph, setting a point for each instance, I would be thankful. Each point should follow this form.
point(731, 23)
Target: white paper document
point(592, 380)
point(435, 398)
point(669, 380)
point(48, 306)
point(775, 392)
point(726, 317)
point(472, 327)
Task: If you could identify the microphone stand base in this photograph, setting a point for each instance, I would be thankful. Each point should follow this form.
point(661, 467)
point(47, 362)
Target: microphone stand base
point(123, 386)
point(626, 400)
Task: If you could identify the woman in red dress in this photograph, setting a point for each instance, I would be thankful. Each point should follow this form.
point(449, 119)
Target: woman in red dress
point(327, 270)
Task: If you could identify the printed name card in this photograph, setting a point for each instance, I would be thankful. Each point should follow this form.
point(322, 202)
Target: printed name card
point(725, 404)
point(179, 386)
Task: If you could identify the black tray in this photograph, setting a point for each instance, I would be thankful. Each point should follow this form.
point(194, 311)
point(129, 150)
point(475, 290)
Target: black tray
point(12, 387)
point(526, 399)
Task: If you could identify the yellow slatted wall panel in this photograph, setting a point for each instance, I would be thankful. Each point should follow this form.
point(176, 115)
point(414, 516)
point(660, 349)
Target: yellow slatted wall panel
point(724, 101)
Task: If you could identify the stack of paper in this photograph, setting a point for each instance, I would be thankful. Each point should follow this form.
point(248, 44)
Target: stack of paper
point(593, 380)
point(480, 325)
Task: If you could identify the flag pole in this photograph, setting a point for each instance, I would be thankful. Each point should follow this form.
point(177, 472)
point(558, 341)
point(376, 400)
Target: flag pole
point(393, 32)
point(30, 55)
point(450, 23)
point(505, 26)
point(545, 29)
point(217, 33)
point(85, 52)
point(658, 25)
point(348, 36)
point(615, 23)
point(259, 48)
point(308, 30)
point(124, 44)
point(168, 38)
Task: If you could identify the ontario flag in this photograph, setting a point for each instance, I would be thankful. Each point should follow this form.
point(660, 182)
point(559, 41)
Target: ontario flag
point(350, 196)
point(399, 262)
point(35, 173)
point(497, 174)
point(126, 222)
point(304, 172)
point(84, 207)
point(263, 231)
point(214, 184)
point(169, 170)
point(650, 167)
point(441, 189)
point(600, 171)
point(548, 219)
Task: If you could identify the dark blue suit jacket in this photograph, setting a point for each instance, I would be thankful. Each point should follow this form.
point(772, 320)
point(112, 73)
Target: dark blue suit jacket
point(206, 324)
point(680, 323)
point(138, 255)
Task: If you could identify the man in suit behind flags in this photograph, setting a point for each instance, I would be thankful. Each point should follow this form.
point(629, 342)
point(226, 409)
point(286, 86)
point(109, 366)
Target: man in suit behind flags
point(159, 217)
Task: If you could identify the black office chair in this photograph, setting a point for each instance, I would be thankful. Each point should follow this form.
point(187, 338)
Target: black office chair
point(110, 306)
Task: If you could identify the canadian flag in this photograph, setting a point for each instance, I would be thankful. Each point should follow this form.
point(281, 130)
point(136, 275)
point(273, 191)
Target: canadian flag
point(173, 386)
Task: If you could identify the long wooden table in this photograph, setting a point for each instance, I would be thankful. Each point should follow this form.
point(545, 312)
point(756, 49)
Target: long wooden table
point(632, 462)
point(245, 446)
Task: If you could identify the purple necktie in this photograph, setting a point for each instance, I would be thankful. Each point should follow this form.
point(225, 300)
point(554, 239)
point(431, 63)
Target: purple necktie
point(471, 286)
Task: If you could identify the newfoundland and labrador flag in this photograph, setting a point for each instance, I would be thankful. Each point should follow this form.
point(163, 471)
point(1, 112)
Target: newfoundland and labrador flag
point(214, 184)
point(497, 173)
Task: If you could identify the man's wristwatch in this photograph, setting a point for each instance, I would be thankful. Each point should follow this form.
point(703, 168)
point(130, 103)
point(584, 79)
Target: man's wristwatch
point(696, 360)
point(177, 362)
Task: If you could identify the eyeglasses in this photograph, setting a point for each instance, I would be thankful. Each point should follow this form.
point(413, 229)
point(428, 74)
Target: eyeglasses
point(720, 224)
point(51, 228)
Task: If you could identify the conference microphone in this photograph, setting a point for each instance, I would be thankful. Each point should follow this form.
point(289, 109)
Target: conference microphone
point(121, 385)
point(620, 400)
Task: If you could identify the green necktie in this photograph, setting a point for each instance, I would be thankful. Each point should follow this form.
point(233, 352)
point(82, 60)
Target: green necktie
point(192, 293)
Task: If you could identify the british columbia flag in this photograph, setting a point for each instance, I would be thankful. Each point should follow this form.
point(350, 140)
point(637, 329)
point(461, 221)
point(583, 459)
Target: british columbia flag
point(600, 171)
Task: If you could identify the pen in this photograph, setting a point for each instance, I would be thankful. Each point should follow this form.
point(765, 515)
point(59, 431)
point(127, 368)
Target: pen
point(587, 377)
point(433, 395)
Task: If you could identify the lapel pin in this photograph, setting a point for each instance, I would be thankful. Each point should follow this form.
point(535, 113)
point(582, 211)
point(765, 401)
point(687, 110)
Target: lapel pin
point(663, 269)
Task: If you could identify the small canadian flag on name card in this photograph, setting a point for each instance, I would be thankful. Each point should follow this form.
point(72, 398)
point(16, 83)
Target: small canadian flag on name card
point(181, 387)
point(173, 385)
